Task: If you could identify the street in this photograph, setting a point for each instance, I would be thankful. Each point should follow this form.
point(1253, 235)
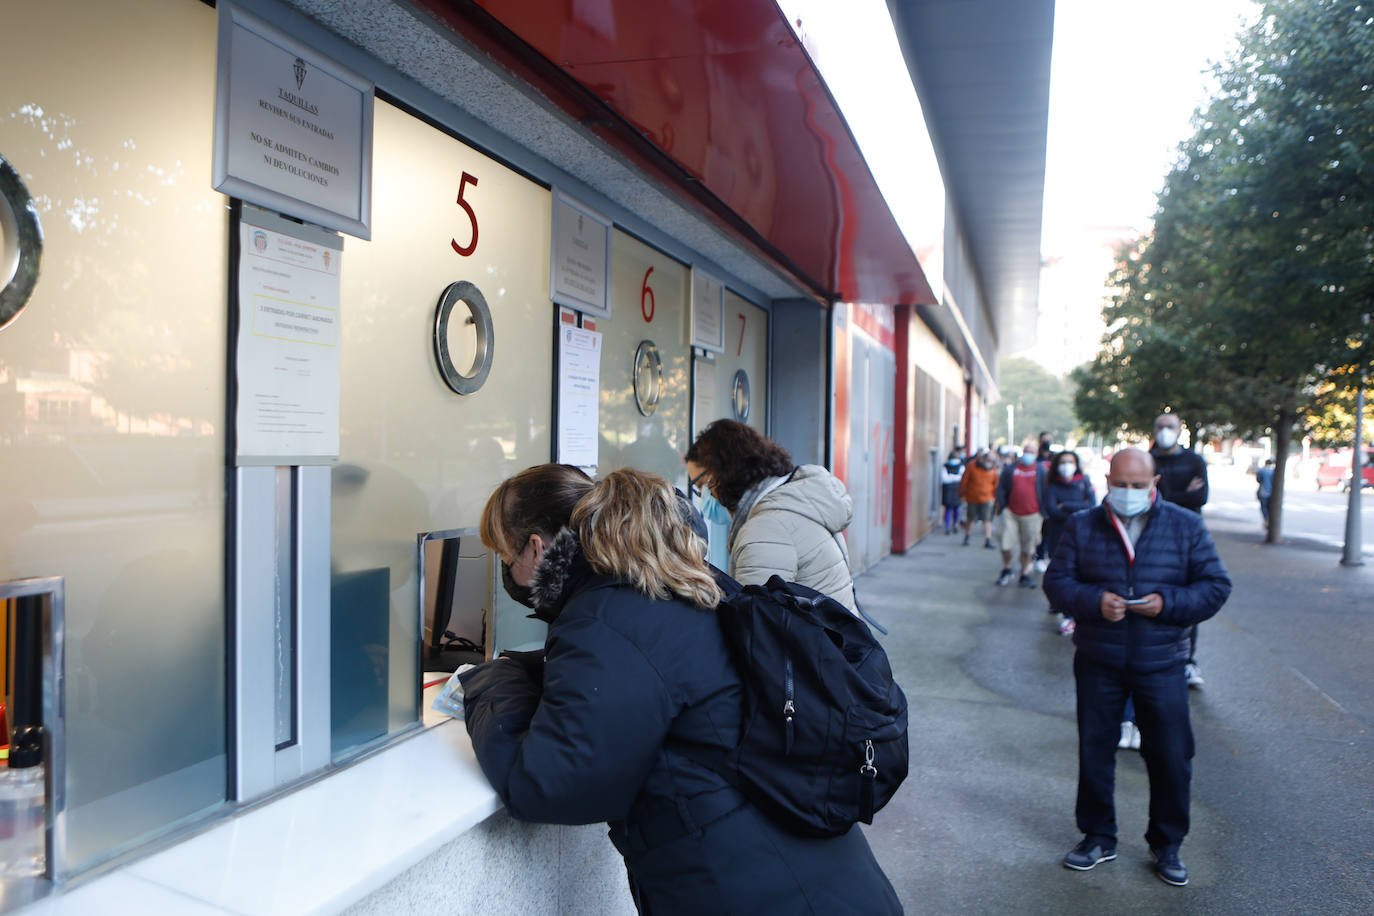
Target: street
point(1308, 515)
point(1282, 780)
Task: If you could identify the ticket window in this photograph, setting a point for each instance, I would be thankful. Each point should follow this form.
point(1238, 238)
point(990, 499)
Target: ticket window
point(112, 408)
point(644, 409)
point(450, 296)
point(732, 384)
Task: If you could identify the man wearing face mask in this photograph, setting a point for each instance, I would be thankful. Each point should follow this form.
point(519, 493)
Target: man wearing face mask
point(1018, 494)
point(1183, 482)
point(1134, 573)
point(978, 488)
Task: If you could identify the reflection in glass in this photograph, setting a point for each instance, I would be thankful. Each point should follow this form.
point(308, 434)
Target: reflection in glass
point(112, 400)
point(415, 456)
point(651, 440)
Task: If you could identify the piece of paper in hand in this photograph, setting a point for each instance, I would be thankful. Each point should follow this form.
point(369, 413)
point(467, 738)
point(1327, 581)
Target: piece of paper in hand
point(450, 698)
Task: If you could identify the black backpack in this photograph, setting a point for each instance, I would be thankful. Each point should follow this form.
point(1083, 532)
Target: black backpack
point(823, 741)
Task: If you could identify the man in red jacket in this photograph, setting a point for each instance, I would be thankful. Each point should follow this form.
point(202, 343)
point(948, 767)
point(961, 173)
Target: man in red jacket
point(1017, 495)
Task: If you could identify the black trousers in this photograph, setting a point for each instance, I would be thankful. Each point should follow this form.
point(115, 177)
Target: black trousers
point(1166, 744)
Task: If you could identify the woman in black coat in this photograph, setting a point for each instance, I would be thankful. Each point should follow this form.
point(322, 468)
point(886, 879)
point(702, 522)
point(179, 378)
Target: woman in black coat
point(635, 673)
point(1066, 490)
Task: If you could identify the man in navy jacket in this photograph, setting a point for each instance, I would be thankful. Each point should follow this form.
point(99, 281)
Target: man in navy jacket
point(1134, 573)
point(1183, 482)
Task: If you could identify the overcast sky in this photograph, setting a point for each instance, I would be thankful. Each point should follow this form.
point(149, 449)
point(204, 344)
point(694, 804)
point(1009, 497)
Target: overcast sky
point(1126, 78)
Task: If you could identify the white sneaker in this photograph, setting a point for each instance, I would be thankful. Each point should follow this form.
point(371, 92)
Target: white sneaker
point(1042, 565)
point(1194, 675)
point(1135, 737)
point(1066, 625)
point(1125, 742)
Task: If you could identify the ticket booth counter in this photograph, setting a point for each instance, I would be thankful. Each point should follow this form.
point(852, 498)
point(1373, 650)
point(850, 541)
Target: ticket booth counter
point(248, 641)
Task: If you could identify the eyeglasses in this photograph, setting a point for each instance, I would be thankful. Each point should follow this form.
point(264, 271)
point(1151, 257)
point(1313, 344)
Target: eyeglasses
point(693, 484)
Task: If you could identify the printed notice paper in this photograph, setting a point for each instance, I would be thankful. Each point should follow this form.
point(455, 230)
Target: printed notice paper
point(288, 349)
point(708, 312)
point(579, 392)
point(704, 376)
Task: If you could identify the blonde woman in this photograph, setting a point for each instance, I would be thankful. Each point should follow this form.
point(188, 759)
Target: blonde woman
point(635, 670)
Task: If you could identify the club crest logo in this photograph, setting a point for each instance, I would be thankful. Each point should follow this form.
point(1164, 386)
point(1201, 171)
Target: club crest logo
point(299, 68)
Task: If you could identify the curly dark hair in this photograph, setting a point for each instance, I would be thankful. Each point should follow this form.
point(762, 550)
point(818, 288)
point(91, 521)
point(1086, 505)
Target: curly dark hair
point(737, 457)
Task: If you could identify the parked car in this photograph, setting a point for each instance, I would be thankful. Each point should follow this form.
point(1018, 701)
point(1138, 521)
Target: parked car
point(1335, 470)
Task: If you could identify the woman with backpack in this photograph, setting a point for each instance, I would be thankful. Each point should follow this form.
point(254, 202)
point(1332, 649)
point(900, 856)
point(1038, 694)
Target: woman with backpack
point(785, 520)
point(951, 473)
point(1066, 490)
point(634, 684)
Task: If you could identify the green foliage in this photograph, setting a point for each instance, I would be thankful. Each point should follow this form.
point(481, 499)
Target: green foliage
point(1330, 421)
point(1043, 402)
point(1245, 305)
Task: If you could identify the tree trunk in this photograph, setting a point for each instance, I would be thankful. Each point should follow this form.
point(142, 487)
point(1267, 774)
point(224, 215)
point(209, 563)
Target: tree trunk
point(1283, 432)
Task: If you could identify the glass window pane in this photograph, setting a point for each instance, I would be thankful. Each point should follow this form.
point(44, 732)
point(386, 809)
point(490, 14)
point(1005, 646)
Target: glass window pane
point(112, 400)
point(414, 456)
point(648, 303)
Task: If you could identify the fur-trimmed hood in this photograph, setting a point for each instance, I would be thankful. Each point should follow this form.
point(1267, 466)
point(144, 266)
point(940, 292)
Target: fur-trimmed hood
point(561, 569)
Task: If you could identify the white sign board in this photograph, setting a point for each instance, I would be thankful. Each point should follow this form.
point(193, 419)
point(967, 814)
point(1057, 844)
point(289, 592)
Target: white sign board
point(293, 129)
point(579, 395)
point(708, 310)
point(581, 257)
point(287, 358)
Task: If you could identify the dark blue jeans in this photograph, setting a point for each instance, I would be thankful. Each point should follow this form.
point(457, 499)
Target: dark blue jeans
point(1166, 744)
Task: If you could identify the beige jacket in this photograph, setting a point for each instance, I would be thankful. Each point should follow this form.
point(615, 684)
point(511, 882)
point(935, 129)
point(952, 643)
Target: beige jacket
point(790, 531)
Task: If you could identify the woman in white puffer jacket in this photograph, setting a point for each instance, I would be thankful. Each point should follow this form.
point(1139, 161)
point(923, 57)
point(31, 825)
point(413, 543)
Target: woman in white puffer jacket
point(785, 520)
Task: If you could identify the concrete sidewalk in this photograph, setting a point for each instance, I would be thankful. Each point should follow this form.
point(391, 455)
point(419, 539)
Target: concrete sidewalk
point(1282, 788)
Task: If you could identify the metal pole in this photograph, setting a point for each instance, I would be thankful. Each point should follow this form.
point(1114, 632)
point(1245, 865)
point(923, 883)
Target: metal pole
point(1353, 555)
point(1011, 424)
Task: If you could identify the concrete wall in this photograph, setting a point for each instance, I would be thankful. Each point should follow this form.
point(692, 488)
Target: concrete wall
point(503, 866)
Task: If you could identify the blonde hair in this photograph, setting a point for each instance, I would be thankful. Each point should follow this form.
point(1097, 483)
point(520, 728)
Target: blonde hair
point(630, 527)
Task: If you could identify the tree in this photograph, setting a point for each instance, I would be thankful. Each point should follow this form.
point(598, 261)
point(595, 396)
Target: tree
point(1043, 401)
point(1251, 290)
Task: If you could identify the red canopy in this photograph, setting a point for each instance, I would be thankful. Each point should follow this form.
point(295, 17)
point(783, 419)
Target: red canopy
point(719, 100)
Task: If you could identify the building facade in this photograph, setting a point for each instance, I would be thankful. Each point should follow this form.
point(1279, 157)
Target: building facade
point(239, 645)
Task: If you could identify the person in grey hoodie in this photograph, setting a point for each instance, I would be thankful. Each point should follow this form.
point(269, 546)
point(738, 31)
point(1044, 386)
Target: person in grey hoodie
point(785, 520)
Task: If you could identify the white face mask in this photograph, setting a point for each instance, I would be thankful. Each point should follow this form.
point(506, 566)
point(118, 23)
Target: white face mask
point(1166, 437)
point(1129, 502)
point(1067, 470)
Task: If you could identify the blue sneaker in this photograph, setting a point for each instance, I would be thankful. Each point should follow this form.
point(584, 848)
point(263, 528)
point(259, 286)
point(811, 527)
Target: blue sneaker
point(1092, 851)
point(1167, 865)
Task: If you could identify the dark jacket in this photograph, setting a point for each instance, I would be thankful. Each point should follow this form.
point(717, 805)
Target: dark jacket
point(1174, 556)
point(1175, 471)
point(627, 683)
point(1060, 498)
point(951, 474)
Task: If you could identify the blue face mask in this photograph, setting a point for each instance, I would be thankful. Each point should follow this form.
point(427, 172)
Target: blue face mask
point(1128, 502)
point(1027, 459)
point(711, 509)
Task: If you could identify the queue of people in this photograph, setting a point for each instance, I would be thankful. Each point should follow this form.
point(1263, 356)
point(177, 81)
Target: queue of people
point(607, 722)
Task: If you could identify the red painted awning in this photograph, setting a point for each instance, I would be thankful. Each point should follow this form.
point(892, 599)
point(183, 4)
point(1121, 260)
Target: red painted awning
point(720, 100)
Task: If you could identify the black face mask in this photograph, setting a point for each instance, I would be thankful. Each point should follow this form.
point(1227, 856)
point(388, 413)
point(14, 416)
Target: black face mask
point(521, 594)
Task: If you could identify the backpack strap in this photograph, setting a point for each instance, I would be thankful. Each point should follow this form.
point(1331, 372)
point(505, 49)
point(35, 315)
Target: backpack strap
point(855, 590)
